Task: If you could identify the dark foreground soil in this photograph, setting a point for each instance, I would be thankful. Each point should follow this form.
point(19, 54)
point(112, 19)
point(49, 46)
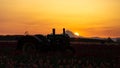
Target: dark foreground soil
point(12, 58)
point(40, 61)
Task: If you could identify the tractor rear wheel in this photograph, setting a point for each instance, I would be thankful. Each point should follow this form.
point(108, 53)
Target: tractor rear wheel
point(29, 48)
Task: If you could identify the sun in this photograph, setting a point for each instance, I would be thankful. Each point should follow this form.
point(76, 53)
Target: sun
point(76, 33)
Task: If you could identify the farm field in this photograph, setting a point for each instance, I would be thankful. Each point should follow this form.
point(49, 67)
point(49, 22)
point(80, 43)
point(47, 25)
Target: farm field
point(11, 58)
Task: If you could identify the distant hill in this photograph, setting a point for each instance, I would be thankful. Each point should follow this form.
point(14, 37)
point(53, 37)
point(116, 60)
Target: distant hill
point(118, 40)
point(10, 37)
point(73, 38)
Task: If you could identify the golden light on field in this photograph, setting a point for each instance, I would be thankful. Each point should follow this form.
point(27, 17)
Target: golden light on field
point(77, 34)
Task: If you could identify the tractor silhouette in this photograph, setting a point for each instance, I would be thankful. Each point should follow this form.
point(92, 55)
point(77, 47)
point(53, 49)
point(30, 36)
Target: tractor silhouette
point(40, 43)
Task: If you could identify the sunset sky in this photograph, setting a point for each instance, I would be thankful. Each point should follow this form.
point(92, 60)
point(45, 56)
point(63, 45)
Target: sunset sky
point(90, 18)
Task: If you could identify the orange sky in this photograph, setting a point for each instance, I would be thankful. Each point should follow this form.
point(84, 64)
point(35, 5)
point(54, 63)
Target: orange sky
point(88, 17)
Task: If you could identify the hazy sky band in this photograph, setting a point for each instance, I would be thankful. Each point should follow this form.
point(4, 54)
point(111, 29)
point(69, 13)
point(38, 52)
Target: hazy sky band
point(88, 17)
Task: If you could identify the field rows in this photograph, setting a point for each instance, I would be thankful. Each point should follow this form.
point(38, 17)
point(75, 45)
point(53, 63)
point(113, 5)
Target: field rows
point(87, 50)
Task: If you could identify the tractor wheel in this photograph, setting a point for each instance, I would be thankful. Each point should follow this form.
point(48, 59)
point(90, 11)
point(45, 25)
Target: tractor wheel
point(29, 48)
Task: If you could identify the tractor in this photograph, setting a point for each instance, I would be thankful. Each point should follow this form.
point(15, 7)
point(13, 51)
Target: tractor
point(49, 43)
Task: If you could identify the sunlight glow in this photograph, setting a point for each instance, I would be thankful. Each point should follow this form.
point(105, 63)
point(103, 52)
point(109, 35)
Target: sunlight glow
point(76, 33)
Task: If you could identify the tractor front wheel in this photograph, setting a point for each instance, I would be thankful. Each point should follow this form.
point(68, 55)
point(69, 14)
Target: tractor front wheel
point(69, 51)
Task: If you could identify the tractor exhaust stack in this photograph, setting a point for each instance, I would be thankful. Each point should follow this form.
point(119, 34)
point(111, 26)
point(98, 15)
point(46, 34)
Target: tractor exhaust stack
point(63, 31)
point(53, 30)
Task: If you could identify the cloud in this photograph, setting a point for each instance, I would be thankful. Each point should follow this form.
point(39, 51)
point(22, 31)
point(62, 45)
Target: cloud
point(71, 34)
